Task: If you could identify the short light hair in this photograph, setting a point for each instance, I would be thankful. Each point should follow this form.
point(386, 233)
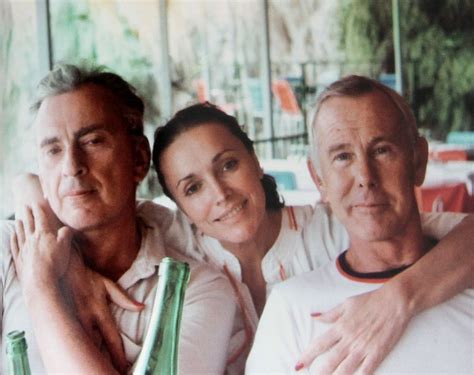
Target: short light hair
point(354, 86)
point(66, 78)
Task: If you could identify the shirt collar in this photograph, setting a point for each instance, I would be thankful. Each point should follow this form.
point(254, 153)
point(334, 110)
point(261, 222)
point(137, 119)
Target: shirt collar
point(152, 249)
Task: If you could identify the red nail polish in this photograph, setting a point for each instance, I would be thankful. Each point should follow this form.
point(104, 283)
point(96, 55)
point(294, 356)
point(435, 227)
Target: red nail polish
point(316, 314)
point(299, 366)
point(138, 304)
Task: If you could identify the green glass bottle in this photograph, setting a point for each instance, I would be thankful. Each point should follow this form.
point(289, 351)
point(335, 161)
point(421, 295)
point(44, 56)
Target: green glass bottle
point(159, 354)
point(17, 354)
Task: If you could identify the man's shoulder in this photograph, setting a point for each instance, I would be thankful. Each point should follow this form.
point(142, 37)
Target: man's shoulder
point(439, 224)
point(7, 227)
point(306, 284)
point(300, 214)
point(154, 213)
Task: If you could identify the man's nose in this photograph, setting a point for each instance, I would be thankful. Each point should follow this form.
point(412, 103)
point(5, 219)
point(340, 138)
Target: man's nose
point(366, 174)
point(73, 163)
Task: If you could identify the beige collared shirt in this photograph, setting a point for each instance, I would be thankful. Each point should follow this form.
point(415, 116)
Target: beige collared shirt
point(208, 312)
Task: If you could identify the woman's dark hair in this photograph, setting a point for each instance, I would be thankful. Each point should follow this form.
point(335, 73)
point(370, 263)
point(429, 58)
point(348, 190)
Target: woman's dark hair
point(197, 115)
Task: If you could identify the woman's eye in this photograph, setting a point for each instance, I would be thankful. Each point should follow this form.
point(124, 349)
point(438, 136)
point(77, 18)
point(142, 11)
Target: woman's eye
point(190, 190)
point(230, 165)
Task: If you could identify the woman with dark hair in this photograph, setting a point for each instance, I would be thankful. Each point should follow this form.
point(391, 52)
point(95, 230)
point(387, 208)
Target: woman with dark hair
point(206, 163)
point(231, 209)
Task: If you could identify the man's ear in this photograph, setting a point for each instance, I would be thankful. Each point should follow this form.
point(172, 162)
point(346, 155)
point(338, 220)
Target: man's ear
point(142, 158)
point(420, 160)
point(316, 179)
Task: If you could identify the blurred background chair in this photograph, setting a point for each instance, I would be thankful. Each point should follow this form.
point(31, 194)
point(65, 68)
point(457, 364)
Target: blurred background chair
point(449, 155)
point(445, 197)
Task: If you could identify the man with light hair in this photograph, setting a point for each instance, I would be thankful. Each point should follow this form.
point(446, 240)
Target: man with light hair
point(367, 158)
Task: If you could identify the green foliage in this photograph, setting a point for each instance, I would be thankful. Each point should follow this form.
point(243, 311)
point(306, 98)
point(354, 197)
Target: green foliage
point(364, 35)
point(437, 46)
point(82, 33)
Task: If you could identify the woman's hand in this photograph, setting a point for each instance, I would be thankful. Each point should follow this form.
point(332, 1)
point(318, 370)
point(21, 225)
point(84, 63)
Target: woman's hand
point(39, 251)
point(364, 330)
point(90, 293)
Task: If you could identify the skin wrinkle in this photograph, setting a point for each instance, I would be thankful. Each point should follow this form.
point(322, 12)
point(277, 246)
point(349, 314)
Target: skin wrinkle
point(369, 176)
point(85, 193)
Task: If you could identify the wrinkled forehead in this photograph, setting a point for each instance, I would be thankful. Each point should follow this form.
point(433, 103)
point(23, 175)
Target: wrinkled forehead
point(68, 112)
point(370, 115)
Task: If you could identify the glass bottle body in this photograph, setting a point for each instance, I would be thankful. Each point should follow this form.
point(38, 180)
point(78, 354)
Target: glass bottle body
point(159, 354)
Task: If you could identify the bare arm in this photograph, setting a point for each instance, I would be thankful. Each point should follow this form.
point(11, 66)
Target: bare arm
point(366, 328)
point(444, 272)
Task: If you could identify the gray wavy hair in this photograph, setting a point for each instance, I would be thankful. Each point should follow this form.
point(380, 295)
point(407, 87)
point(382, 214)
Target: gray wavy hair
point(353, 86)
point(66, 78)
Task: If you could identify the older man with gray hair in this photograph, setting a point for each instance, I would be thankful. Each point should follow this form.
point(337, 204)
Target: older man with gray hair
point(92, 154)
point(367, 158)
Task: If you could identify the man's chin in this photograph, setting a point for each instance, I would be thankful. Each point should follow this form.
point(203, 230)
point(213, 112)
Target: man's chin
point(80, 223)
point(372, 230)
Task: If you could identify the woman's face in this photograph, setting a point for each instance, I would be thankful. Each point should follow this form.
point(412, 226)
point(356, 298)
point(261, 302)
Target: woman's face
point(215, 180)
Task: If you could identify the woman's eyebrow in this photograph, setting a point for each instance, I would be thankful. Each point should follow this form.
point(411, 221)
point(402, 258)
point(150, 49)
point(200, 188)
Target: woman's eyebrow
point(189, 176)
point(219, 154)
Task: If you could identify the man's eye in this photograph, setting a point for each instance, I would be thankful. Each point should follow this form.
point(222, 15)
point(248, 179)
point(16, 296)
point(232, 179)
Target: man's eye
point(53, 151)
point(192, 189)
point(230, 165)
point(381, 150)
point(343, 156)
point(93, 141)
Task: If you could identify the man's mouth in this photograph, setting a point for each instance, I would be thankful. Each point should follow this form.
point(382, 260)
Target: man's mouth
point(370, 206)
point(78, 193)
point(233, 212)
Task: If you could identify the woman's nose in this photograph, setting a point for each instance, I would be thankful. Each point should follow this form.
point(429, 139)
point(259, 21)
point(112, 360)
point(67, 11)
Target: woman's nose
point(221, 191)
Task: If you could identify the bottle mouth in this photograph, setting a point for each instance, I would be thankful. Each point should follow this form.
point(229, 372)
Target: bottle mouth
point(16, 342)
point(177, 270)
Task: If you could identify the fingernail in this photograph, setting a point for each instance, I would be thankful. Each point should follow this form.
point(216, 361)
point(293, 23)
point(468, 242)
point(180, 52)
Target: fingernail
point(316, 314)
point(138, 304)
point(299, 366)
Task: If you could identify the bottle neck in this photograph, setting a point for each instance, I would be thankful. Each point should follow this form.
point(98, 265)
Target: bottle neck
point(18, 364)
point(16, 349)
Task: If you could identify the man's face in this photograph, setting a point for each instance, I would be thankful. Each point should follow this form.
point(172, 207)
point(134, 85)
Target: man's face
point(368, 171)
point(86, 158)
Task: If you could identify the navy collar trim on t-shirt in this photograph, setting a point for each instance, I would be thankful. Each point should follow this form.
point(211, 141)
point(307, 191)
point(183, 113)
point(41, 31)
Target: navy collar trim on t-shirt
point(346, 270)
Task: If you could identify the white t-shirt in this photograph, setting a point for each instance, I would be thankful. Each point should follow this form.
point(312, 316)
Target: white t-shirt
point(438, 340)
point(208, 312)
point(310, 237)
